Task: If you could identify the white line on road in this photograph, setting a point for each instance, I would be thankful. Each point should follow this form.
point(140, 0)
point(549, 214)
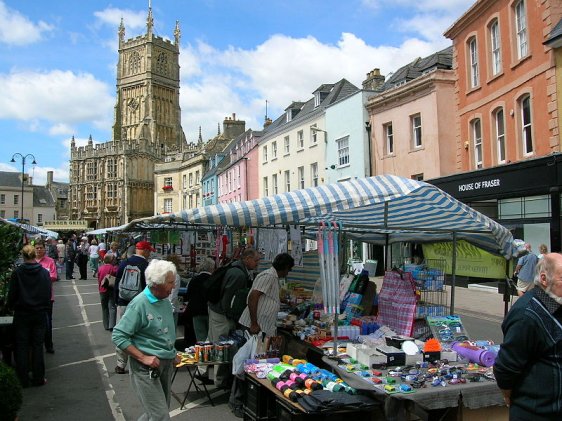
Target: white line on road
point(100, 357)
point(87, 323)
point(72, 295)
point(109, 391)
point(196, 403)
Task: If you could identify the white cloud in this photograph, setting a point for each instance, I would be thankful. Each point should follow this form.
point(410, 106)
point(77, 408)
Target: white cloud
point(17, 29)
point(112, 16)
point(61, 98)
point(59, 129)
point(240, 81)
point(8, 168)
point(441, 6)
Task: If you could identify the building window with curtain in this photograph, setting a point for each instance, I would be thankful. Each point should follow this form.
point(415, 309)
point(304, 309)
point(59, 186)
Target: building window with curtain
point(500, 135)
point(526, 125)
point(273, 150)
point(287, 181)
point(473, 60)
point(521, 29)
point(300, 172)
point(389, 138)
point(495, 47)
point(415, 121)
point(286, 145)
point(264, 154)
point(168, 205)
point(265, 187)
point(274, 184)
point(476, 128)
point(300, 139)
point(343, 151)
point(314, 174)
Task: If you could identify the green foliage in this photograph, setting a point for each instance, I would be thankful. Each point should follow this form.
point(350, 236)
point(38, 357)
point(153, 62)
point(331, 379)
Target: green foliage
point(10, 245)
point(11, 396)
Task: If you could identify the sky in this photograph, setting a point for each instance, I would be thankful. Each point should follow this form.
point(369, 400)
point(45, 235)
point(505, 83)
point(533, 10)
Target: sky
point(58, 61)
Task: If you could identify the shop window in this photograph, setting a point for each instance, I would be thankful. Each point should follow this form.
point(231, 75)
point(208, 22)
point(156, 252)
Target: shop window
point(526, 125)
point(476, 129)
point(495, 48)
point(473, 70)
point(521, 34)
point(524, 207)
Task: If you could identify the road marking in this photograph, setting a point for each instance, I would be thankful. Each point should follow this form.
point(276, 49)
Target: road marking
point(91, 304)
point(109, 391)
point(87, 323)
point(196, 403)
point(72, 295)
point(89, 360)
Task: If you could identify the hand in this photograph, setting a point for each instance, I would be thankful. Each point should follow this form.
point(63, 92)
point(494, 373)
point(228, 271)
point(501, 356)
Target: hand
point(150, 361)
point(255, 328)
point(506, 397)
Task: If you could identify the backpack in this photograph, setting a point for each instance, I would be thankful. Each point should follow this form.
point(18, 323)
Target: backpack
point(238, 304)
point(130, 284)
point(213, 285)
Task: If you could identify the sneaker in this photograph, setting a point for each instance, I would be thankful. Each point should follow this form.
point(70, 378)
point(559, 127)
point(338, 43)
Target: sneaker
point(121, 370)
point(238, 412)
point(41, 382)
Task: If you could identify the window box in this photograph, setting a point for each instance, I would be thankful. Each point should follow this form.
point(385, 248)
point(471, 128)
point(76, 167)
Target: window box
point(168, 188)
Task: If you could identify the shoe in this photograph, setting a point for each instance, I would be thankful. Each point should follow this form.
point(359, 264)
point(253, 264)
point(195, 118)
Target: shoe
point(204, 379)
point(238, 412)
point(50, 350)
point(42, 382)
point(120, 370)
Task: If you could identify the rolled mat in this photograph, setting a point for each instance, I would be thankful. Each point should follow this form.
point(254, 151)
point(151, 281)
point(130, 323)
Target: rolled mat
point(474, 354)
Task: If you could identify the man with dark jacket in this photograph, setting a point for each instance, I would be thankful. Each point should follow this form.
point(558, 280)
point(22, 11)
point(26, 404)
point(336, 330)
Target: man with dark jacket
point(140, 260)
point(70, 256)
point(29, 295)
point(220, 324)
point(528, 366)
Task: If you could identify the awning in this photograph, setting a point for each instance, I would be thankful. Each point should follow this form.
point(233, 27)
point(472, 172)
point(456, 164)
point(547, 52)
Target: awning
point(374, 209)
point(31, 229)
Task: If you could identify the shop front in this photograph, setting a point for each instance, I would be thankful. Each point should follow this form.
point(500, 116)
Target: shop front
point(523, 197)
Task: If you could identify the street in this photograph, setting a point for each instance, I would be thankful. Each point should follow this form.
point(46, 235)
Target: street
point(82, 383)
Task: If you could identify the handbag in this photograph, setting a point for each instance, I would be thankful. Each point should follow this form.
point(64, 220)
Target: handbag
point(108, 281)
point(246, 352)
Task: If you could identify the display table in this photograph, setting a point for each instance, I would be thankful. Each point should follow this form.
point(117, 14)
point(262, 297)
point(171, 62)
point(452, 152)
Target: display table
point(479, 397)
point(192, 371)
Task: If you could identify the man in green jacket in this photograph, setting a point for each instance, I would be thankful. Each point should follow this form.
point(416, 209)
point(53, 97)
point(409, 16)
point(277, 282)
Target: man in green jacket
point(147, 333)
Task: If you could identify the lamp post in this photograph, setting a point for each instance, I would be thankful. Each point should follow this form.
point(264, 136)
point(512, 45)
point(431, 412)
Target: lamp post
point(23, 158)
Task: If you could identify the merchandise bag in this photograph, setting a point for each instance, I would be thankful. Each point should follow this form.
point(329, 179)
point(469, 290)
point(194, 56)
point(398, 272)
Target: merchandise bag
point(397, 302)
point(246, 352)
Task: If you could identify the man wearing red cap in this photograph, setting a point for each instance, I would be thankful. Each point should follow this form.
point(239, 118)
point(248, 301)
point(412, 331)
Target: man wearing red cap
point(140, 260)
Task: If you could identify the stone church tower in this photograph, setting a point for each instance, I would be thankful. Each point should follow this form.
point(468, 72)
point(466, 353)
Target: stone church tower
point(112, 183)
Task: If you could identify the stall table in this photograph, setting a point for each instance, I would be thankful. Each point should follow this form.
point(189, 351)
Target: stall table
point(193, 370)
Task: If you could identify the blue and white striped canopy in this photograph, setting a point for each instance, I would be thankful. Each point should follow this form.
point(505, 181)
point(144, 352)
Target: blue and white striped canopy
point(374, 209)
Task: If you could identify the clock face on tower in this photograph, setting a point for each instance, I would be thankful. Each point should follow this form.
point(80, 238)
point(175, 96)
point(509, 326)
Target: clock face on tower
point(162, 63)
point(133, 104)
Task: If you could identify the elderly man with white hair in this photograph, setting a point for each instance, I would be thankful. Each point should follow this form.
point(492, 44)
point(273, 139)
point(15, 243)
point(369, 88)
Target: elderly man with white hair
point(146, 332)
point(528, 366)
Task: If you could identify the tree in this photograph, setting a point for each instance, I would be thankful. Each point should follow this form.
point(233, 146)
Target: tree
point(9, 250)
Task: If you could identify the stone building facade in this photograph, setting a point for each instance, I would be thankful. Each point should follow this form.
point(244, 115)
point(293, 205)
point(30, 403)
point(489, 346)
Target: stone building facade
point(113, 182)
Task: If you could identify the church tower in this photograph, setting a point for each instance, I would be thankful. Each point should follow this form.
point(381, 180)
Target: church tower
point(112, 183)
point(148, 88)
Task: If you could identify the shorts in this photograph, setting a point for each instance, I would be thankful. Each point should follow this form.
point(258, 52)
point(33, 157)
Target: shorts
point(524, 286)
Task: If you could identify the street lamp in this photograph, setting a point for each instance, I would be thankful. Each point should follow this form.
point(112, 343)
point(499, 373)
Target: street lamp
point(23, 158)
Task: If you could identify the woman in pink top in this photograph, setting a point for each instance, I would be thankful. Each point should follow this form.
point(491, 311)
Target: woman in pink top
point(107, 296)
point(50, 265)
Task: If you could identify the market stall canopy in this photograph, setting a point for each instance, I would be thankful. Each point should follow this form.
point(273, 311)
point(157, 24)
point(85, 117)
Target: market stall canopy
point(375, 209)
point(103, 231)
point(31, 229)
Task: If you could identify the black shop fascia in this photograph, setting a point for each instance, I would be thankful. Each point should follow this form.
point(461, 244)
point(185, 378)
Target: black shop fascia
point(519, 196)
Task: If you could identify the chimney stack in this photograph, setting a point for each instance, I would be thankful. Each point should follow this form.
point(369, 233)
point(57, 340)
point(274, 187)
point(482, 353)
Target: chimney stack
point(374, 80)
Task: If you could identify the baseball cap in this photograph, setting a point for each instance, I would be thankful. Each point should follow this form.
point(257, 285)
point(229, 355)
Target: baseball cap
point(144, 245)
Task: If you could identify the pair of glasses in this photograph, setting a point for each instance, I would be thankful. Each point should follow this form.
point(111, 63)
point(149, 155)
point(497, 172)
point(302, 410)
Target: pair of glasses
point(153, 373)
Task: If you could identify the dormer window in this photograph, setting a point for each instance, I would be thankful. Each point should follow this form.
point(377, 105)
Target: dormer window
point(289, 115)
point(316, 99)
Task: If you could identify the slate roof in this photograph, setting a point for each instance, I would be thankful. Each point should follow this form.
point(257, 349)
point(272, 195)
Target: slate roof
point(10, 179)
point(337, 92)
point(555, 34)
point(440, 60)
point(42, 197)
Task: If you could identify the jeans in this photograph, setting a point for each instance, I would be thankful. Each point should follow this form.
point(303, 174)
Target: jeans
point(49, 328)
point(69, 268)
point(30, 335)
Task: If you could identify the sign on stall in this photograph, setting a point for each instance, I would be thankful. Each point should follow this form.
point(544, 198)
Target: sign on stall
point(471, 260)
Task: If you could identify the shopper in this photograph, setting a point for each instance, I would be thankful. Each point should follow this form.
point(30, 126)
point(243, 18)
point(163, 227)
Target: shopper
point(107, 295)
point(197, 299)
point(49, 264)
point(525, 270)
point(543, 249)
point(140, 261)
point(147, 333)
point(29, 295)
point(82, 252)
point(70, 257)
point(528, 366)
point(94, 257)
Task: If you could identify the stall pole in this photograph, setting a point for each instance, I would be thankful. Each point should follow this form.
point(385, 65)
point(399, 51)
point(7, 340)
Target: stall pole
point(454, 272)
point(387, 264)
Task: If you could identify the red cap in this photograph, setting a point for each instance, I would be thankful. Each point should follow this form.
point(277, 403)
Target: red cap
point(144, 245)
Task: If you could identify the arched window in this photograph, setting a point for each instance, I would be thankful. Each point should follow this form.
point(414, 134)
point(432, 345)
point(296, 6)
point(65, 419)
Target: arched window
point(476, 129)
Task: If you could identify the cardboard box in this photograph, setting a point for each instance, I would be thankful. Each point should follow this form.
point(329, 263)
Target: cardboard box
point(370, 356)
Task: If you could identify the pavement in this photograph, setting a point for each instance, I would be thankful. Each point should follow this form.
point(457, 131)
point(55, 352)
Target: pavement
point(81, 381)
point(82, 384)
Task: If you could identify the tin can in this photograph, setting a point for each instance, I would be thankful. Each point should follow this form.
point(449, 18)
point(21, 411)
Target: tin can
point(197, 352)
point(219, 353)
point(207, 353)
point(226, 352)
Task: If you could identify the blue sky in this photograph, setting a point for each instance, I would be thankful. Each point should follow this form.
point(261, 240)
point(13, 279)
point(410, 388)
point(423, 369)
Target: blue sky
point(58, 61)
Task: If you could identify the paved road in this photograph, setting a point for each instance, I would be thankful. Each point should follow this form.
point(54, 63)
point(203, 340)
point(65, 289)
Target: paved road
point(82, 384)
